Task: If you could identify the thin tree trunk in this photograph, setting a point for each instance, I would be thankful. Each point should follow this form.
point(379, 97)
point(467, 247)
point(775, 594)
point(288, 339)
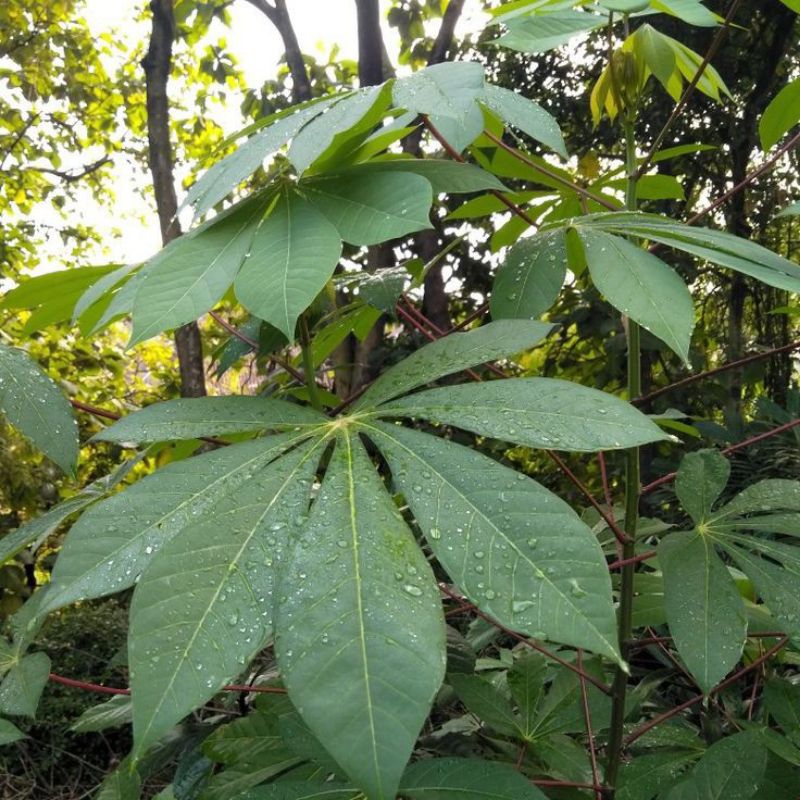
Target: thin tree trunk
point(370, 43)
point(743, 138)
point(278, 14)
point(156, 64)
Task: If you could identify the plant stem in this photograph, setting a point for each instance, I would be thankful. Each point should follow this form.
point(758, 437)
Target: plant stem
point(632, 490)
point(308, 364)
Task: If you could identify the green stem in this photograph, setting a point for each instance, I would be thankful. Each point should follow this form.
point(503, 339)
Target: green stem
point(632, 493)
point(308, 365)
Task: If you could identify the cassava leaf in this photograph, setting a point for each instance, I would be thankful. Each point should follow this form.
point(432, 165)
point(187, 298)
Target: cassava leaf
point(192, 273)
point(700, 481)
point(731, 769)
point(293, 255)
point(230, 171)
point(487, 702)
point(466, 779)
point(111, 544)
point(9, 733)
point(537, 412)
point(705, 612)
point(203, 606)
point(372, 207)
point(23, 685)
point(322, 132)
point(32, 402)
point(515, 549)
point(444, 176)
point(526, 115)
point(359, 627)
point(190, 418)
point(642, 286)
point(452, 354)
point(42, 526)
point(300, 790)
point(718, 247)
point(447, 90)
point(781, 115)
point(111, 714)
point(538, 34)
point(530, 278)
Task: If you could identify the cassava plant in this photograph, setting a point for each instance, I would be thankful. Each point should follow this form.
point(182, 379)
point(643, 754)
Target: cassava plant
point(328, 532)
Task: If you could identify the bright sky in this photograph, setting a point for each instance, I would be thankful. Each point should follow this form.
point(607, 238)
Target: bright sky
point(253, 40)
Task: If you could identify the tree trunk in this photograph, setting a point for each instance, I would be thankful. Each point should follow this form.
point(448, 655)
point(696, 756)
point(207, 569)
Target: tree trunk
point(775, 36)
point(156, 64)
point(370, 43)
point(278, 15)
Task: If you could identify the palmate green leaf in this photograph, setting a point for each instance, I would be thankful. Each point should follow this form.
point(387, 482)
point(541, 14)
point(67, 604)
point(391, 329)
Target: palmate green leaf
point(253, 751)
point(561, 709)
point(487, 702)
point(771, 507)
point(793, 4)
point(641, 286)
point(526, 115)
point(300, 790)
point(526, 684)
point(122, 784)
point(228, 173)
point(452, 354)
point(781, 115)
point(253, 739)
point(99, 288)
point(292, 258)
point(717, 247)
point(192, 273)
point(382, 290)
point(646, 776)
point(691, 12)
point(190, 418)
point(466, 779)
point(514, 548)
point(111, 714)
point(203, 606)
point(111, 544)
point(538, 34)
point(528, 282)
point(773, 494)
point(42, 526)
point(705, 611)
point(123, 295)
point(460, 132)
point(564, 758)
point(782, 701)
point(236, 780)
point(701, 479)
point(359, 626)
point(372, 207)
point(9, 733)
point(325, 131)
point(23, 685)
point(442, 90)
point(52, 296)
point(776, 585)
point(731, 769)
point(51, 287)
point(444, 176)
point(32, 403)
point(537, 412)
